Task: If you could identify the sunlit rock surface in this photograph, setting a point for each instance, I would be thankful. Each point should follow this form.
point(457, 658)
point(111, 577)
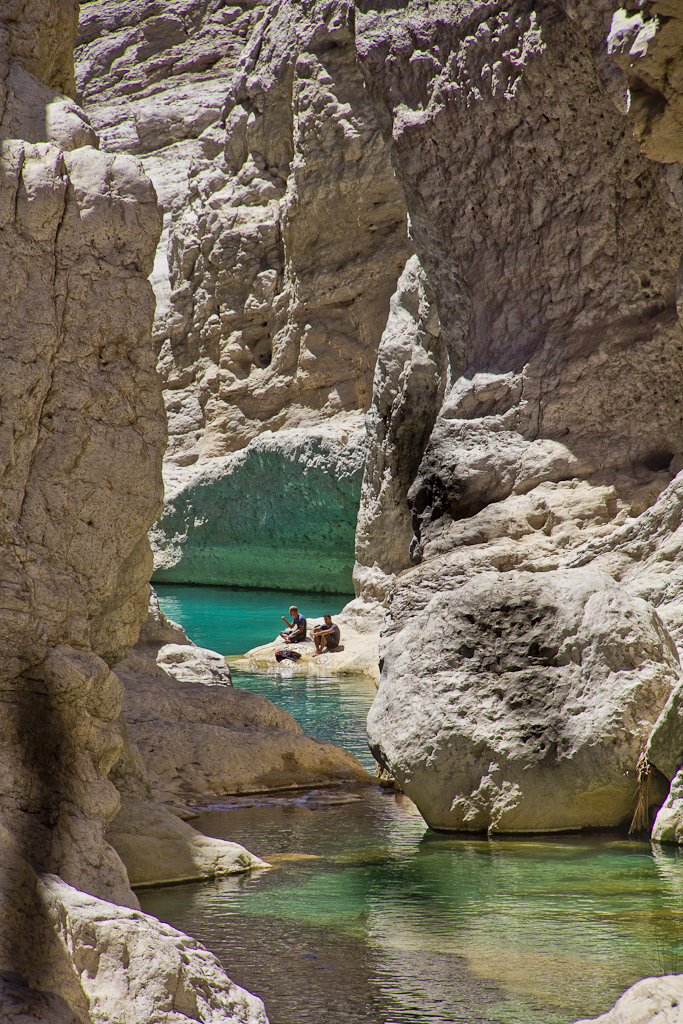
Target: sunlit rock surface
point(285, 233)
point(520, 701)
point(82, 436)
point(548, 245)
point(82, 432)
point(192, 740)
point(650, 1000)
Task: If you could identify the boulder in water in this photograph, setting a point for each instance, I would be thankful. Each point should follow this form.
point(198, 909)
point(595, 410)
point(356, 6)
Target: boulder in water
point(520, 702)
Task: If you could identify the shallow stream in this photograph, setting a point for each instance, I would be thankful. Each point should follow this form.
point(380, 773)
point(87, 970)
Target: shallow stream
point(369, 917)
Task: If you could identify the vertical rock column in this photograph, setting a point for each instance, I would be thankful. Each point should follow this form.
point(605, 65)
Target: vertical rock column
point(82, 432)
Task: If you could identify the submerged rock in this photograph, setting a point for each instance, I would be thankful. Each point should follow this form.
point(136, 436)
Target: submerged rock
point(157, 847)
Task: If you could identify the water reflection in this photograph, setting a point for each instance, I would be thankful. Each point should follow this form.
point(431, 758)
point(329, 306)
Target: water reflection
point(367, 917)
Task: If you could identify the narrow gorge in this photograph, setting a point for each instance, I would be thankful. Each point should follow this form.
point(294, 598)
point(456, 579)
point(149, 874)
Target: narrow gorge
point(371, 301)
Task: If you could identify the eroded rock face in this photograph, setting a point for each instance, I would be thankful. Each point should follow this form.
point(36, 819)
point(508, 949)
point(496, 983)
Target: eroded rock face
point(82, 438)
point(520, 701)
point(285, 232)
point(115, 963)
point(82, 431)
point(539, 225)
point(191, 740)
point(410, 378)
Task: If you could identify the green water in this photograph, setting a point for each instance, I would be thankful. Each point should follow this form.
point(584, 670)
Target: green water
point(231, 620)
point(368, 917)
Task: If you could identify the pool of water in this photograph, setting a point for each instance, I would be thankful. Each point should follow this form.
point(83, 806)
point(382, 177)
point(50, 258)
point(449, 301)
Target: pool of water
point(232, 620)
point(369, 917)
point(333, 709)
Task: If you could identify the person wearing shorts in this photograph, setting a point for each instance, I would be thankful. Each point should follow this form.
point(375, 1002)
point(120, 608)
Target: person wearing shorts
point(326, 637)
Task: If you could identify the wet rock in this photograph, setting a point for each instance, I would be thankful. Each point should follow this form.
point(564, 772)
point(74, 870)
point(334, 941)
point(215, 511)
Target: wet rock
point(652, 999)
point(157, 847)
point(668, 825)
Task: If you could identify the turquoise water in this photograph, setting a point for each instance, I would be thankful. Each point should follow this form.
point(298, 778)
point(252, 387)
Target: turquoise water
point(369, 917)
point(333, 709)
point(231, 621)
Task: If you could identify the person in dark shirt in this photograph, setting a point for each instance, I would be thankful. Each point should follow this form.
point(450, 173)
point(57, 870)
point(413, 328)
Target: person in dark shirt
point(327, 636)
point(297, 627)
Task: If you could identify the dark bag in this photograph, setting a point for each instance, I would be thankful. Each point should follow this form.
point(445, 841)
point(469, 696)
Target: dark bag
point(287, 655)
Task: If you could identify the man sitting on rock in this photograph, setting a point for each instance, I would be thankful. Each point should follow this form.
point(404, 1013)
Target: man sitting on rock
point(327, 636)
point(297, 628)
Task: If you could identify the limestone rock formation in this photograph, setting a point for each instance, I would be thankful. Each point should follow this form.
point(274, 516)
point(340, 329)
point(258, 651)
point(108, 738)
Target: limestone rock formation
point(531, 696)
point(548, 245)
point(200, 742)
point(96, 962)
point(191, 740)
point(652, 999)
point(285, 232)
point(410, 378)
point(82, 433)
point(284, 508)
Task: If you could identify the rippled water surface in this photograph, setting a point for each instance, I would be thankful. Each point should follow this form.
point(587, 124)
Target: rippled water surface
point(368, 917)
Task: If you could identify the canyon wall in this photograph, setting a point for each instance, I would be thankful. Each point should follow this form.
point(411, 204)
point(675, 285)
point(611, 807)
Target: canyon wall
point(83, 430)
point(285, 233)
point(534, 597)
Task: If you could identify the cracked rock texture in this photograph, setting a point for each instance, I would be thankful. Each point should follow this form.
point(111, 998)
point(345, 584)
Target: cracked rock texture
point(87, 961)
point(540, 473)
point(82, 432)
point(285, 232)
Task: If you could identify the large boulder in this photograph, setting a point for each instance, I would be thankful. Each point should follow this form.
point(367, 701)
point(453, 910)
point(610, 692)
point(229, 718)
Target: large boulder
point(520, 702)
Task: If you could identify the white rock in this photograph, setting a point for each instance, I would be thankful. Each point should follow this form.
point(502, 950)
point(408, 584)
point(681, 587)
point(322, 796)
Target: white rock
point(521, 701)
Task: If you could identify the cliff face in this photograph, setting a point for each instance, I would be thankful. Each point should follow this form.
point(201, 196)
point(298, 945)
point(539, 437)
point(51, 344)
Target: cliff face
point(549, 247)
point(83, 434)
point(285, 234)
